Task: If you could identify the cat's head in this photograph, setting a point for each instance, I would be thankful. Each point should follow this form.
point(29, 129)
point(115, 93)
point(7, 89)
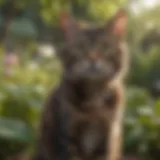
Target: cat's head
point(93, 53)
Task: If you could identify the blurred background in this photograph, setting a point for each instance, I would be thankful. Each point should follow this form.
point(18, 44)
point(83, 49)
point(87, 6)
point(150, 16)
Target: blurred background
point(29, 34)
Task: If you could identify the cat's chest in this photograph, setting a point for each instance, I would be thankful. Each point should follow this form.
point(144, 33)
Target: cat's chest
point(96, 112)
point(88, 126)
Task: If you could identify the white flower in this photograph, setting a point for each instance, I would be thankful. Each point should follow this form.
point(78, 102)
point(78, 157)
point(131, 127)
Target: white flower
point(46, 50)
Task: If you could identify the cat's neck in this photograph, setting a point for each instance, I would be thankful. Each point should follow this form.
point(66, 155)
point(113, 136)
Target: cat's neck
point(81, 91)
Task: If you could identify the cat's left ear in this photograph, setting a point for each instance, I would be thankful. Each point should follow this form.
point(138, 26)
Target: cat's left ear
point(118, 24)
point(68, 25)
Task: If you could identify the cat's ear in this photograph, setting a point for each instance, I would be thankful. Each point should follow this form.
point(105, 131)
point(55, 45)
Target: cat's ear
point(68, 25)
point(118, 24)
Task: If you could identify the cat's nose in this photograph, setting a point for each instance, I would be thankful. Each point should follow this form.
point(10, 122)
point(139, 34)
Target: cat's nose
point(94, 56)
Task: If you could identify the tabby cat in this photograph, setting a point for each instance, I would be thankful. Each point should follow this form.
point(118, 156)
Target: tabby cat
point(83, 116)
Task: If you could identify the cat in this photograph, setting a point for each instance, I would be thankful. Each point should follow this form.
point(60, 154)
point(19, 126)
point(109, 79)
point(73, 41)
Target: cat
point(83, 116)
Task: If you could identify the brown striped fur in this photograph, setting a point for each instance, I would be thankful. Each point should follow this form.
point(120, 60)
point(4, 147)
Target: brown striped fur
point(83, 117)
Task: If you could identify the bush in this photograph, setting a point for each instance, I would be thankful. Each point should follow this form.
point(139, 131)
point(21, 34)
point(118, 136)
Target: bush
point(22, 94)
point(142, 124)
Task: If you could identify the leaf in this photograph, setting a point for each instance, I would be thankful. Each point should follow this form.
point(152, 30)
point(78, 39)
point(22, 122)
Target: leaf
point(15, 130)
point(157, 108)
point(23, 28)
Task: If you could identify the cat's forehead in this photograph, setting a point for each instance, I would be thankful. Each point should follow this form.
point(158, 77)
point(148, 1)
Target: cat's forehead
point(92, 33)
point(96, 36)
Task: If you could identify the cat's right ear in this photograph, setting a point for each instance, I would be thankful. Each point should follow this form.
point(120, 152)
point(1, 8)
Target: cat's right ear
point(118, 24)
point(68, 25)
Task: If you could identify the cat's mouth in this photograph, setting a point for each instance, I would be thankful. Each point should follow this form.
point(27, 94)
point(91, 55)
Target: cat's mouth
point(93, 75)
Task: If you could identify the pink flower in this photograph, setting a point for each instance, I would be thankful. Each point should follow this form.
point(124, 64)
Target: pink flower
point(11, 59)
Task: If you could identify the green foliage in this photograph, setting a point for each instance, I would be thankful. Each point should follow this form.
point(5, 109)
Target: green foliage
point(18, 3)
point(22, 95)
point(99, 10)
point(142, 124)
point(23, 28)
point(12, 129)
point(145, 65)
